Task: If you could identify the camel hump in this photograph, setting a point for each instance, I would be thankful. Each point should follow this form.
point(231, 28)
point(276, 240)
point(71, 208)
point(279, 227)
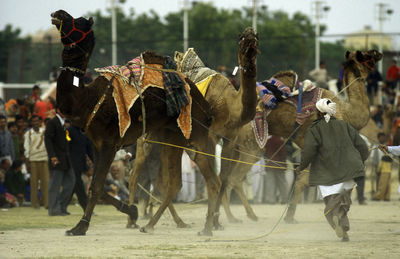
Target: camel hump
point(150, 57)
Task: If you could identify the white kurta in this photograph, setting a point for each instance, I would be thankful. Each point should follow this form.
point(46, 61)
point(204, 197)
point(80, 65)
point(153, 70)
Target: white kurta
point(395, 150)
point(327, 190)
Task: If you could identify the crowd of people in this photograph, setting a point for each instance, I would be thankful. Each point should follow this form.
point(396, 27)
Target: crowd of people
point(44, 159)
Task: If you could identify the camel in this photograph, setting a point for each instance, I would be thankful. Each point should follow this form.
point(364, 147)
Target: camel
point(281, 122)
point(230, 109)
point(93, 108)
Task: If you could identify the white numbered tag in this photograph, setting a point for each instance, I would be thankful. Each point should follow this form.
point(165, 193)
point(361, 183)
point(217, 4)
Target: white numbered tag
point(76, 81)
point(235, 70)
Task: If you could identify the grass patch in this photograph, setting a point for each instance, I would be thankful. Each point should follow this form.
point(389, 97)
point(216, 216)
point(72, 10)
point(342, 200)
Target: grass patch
point(29, 218)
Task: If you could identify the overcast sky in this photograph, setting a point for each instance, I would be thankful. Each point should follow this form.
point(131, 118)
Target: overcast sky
point(344, 16)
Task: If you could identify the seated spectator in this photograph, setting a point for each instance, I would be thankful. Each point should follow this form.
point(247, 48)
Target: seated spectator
point(87, 178)
point(112, 186)
point(7, 200)
point(15, 182)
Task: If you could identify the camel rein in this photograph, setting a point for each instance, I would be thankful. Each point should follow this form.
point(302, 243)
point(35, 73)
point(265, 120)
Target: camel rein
point(98, 104)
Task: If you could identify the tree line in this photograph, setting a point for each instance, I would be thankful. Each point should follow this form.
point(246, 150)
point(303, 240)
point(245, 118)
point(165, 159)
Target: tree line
point(285, 42)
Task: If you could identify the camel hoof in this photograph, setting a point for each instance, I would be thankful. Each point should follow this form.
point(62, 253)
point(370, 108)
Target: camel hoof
point(147, 229)
point(133, 212)
point(218, 226)
point(183, 225)
point(235, 220)
point(132, 225)
point(205, 232)
point(252, 217)
point(78, 230)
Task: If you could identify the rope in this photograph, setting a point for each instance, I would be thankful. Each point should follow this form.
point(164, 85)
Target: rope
point(213, 155)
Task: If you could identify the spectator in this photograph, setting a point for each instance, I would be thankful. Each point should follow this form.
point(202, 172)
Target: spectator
point(7, 200)
point(385, 171)
point(15, 182)
point(339, 82)
point(87, 177)
point(6, 141)
point(377, 116)
point(377, 155)
point(320, 75)
point(2, 107)
point(113, 187)
point(42, 108)
point(17, 142)
point(274, 179)
point(121, 161)
point(373, 79)
point(36, 159)
point(80, 147)
point(61, 172)
point(187, 192)
point(393, 75)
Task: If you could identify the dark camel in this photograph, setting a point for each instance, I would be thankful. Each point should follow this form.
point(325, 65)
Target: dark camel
point(78, 103)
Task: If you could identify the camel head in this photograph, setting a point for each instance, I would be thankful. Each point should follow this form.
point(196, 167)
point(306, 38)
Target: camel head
point(248, 49)
point(77, 37)
point(363, 61)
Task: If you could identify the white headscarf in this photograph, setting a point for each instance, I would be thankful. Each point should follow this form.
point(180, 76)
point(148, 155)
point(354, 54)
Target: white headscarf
point(326, 106)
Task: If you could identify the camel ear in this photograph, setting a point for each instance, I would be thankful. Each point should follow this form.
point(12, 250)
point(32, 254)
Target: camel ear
point(91, 21)
point(347, 54)
point(359, 56)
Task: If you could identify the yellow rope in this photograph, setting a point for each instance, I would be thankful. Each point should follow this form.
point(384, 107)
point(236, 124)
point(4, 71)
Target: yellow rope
point(212, 155)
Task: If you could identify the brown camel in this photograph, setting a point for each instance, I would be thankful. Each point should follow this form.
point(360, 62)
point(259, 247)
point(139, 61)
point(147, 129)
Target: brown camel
point(281, 121)
point(80, 105)
point(230, 109)
point(371, 129)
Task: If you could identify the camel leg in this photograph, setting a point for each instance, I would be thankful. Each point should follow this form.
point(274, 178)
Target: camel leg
point(227, 208)
point(162, 184)
point(172, 162)
point(103, 159)
point(226, 166)
point(249, 210)
point(134, 177)
point(206, 166)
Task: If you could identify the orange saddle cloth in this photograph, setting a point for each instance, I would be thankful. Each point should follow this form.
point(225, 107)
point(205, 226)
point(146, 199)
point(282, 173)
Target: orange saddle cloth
point(144, 76)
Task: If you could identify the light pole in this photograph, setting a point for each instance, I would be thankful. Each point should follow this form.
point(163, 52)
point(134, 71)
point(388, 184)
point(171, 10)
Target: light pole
point(113, 34)
point(383, 11)
point(185, 25)
point(319, 10)
point(114, 31)
point(255, 13)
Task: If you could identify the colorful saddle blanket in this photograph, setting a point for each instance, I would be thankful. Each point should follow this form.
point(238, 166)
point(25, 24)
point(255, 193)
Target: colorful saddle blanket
point(309, 100)
point(271, 92)
point(260, 128)
point(144, 76)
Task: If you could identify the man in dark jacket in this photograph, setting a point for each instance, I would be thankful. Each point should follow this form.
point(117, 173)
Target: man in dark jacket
point(80, 146)
point(61, 172)
point(336, 153)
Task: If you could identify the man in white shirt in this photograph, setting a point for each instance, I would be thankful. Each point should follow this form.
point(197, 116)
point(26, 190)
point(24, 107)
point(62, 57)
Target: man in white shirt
point(36, 158)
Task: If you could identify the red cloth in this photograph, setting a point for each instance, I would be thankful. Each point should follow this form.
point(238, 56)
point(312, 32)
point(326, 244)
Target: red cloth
point(393, 73)
point(273, 144)
point(42, 109)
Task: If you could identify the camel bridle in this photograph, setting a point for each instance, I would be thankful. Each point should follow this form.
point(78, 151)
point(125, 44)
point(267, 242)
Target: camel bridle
point(66, 35)
point(367, 64)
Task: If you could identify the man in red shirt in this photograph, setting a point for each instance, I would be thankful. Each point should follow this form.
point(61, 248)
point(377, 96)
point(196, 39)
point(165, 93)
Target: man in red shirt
point(393, 74)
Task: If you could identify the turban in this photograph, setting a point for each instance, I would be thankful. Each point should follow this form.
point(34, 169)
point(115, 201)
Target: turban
point(326, 106)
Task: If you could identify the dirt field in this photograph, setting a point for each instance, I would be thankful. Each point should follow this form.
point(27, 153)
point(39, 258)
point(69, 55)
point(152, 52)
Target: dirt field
point(373, 234)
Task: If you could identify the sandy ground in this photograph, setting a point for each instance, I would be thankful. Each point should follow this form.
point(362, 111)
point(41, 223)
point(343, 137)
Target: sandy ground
point(373, 235)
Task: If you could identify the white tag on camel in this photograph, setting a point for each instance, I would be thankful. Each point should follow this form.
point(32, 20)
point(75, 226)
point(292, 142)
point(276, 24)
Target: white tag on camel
point(235, 70)
point(76, 81)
